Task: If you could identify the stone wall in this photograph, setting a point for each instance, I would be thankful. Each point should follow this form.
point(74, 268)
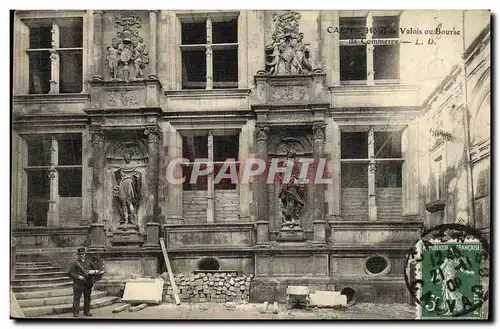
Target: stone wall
point(208, 287)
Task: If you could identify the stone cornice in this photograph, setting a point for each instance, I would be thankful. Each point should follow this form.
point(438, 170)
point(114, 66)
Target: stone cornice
point(203, 93)
point(45, 231)
point(51, 98)
point(355, 89)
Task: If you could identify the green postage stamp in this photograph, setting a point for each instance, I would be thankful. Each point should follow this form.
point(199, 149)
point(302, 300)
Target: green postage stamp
point(453, 279)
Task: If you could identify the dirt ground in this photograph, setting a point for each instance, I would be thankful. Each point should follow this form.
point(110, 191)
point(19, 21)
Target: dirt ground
point(213, 311)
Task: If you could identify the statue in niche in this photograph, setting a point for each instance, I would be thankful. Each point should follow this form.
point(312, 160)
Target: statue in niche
point(291, 193)
point(287, 54)
point(127, 191)
point(127, 50)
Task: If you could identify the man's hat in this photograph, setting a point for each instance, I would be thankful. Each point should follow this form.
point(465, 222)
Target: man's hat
point(81, 251)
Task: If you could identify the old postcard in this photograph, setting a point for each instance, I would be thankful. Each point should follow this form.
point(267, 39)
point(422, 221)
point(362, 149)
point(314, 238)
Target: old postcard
point(250, 164)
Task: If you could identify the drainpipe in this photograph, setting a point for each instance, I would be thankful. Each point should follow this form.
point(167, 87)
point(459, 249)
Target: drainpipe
point(466, 122)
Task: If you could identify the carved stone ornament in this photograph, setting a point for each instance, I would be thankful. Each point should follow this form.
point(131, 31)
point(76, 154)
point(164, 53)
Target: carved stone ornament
point(52, 172)
point(261, 132)
point(372, 165)
point(97, 136)
point(290, 93)
point(319, 131)
point(122, 98)
point(153, 133)
point(127, 51)
point(286, 54)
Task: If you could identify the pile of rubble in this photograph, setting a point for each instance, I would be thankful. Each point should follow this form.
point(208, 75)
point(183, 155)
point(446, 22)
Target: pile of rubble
point(208, 287)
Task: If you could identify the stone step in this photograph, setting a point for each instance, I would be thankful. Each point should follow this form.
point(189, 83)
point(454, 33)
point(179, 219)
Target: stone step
point(40, 281)
point(39, 287)
point(36, 270)
point(33, 264)
point(53, 274)
point(59, 300)
point(44, 293)
point(67, 308)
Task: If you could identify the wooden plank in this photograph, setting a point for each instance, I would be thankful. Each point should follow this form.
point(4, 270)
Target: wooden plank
point(170, 273)
point(138, 307)
point(121, 308)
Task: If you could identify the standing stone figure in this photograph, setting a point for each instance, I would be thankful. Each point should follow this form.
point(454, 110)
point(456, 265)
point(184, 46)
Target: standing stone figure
point(292, 194)
point(127, 191)
point(112, 60)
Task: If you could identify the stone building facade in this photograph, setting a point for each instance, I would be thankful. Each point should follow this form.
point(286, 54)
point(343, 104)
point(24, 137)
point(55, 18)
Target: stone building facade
point(104, 101)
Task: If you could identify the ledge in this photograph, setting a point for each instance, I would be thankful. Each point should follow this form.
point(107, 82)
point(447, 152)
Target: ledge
point(50, 98)
point(120, 83)
point(204, 93)
point(390, 225)
point(33, 231)
point(208, 225)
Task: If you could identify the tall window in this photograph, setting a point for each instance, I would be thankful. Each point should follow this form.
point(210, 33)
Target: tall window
point(54, 172)
point(209, 48)
point(55, 55)
point(371, 164)
point(369, 49)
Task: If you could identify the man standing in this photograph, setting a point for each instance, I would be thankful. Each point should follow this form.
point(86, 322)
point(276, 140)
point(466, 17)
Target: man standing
point(80, 271)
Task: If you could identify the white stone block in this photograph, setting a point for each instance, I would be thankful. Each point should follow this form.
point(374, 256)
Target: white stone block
point(328, 299)
point(143, 291)
point(297, 290)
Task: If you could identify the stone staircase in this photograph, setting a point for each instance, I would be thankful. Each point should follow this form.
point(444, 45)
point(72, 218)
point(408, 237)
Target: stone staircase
point(43, 289)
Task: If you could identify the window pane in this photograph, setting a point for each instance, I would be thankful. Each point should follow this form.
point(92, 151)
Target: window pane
point(352, 63)
point(226, 147)
point(388, 144)
point(226, 66)
point(354, 145)
point(70, 182)
point(38, 184)
point(194, 33)
point(39, 152)
point(40, 70)
point(385, 27)
point(386, 62)
point(70, 151)
point(201, 181)
point(388, 174)
point(226, 183)
point(194, 69)
point(194, 147)
point(352, 28)
point(71, 34)
point(225, 32)
point(41, 37)
point(354, 175)
point(70, 71)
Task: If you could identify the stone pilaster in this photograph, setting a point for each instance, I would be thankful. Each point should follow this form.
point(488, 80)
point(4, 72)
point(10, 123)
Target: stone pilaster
point(153, 19)
point(152, 235)
point(319, 189)
point(261, 136)
point(97, 46)
point(246, 141)
point(174, 197)
point(53, 213)
point(97, 173)
point(372, 167)
point(332, 151)
point(410, 170)
point(97, 236)
point(154, 136)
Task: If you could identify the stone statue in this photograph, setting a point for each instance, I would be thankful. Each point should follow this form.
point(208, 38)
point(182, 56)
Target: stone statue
point(291, 194)
point(127, 191)
point(140, 58)
point(112, 60)
point(287, 54)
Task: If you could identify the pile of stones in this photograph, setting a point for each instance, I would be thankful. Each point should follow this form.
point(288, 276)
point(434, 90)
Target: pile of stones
point(208, 287)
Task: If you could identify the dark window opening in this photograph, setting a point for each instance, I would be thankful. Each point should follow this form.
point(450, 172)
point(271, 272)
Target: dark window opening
point(352, 28)
point(39, 152)
point(388, 174)
point(70, 71)
point(38, 197)
point(385, 27)
point(352, 63)
point(376, 264)
point(386, 62)
point(225, 68)
point(194, 67)
point(226, 147)
point(40, 72)
point(41, 37)
point(71, 35)
point(354, 145)
point(194, 33)
point(354, 175)
point(209, 264)
point(194, 147)
point(70, 182)
point(388, 144)
point(201, 182)
point(225, 32)
point(70, 151)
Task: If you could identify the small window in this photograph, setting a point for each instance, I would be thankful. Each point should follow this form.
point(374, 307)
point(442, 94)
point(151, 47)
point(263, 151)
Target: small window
point(352, 63)
point(40, 72)
point(39, 152)
point(70, 62)
point(194, 69)
point(354, 145)
point(225, 32)
point(209, 264)
point(71, 36)
point(387, 144)
point(388, 174)
point(386, 27)
point(377, 265)
point(226, 147)
point(70, 151)
point(354, 175)
point(70, 182)
point(41, 37)
point(194, 33)
point(352, 28)
point(195, 147)
point(225, 68)
point(386, 61)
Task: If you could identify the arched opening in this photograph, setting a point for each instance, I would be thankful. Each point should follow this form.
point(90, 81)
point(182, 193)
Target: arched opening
point(209, 264)
point(350, 295)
